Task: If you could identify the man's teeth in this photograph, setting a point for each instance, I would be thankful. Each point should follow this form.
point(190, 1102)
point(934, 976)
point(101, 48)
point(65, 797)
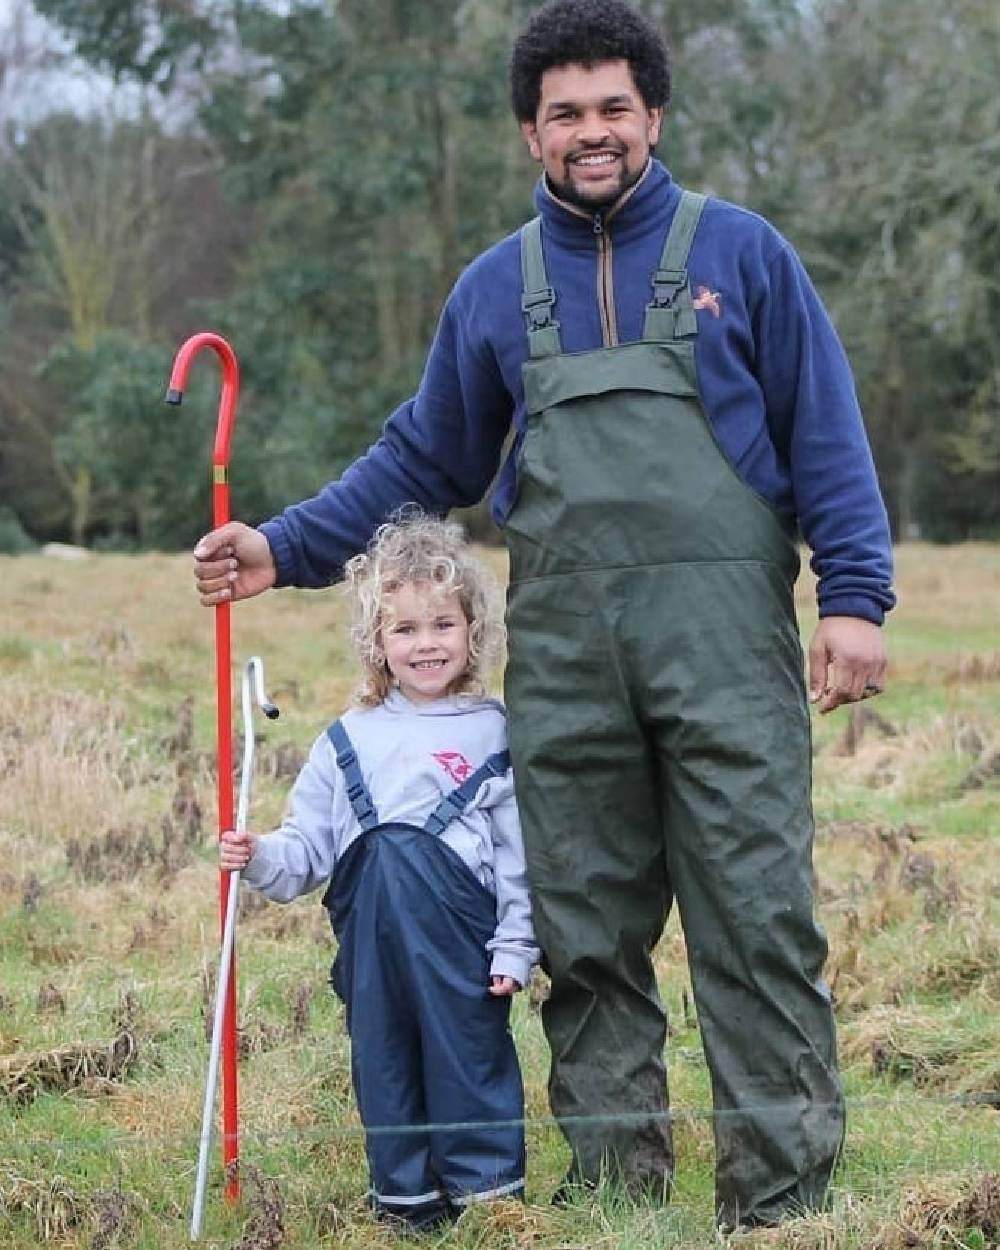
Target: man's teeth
point(605, 158)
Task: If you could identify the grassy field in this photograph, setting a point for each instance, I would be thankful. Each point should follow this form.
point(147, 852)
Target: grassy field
point(108, 937)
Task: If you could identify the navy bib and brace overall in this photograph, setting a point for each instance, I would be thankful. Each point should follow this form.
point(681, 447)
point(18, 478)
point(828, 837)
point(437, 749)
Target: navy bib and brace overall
point(429, 1045)
point(661, 743)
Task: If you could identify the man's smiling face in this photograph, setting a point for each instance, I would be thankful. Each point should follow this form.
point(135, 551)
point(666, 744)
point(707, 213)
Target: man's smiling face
point(592, 132)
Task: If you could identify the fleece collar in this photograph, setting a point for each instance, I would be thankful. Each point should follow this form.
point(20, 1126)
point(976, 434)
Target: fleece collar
point(643, 207)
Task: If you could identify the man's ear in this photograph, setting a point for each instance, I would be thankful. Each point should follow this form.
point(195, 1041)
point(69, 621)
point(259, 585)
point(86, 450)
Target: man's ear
point(530, 132)
point(654, 123)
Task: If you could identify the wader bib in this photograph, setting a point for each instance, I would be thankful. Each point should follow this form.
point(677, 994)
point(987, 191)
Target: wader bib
point(661, 743)
point(429, 1044)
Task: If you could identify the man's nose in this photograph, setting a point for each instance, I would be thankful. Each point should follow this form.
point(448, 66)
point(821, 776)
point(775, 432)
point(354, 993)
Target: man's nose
point(593, 129)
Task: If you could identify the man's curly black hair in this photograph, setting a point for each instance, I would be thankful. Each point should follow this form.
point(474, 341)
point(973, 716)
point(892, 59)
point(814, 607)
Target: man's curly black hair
point(587, 32)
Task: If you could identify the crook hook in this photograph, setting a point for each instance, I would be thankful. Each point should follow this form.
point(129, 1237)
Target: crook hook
point(253, 684)
point(230, 391)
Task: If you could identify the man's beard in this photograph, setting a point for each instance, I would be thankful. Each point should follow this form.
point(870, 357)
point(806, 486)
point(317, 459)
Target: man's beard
point(568, 193)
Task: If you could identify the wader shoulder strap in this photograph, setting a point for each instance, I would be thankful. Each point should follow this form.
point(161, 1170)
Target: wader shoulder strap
point(537, 298)
point(670, 313)
point(357, 791)
point(454, 804)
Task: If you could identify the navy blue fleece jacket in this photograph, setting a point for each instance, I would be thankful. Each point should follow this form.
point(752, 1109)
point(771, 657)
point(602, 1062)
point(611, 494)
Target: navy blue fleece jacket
point(773, 376)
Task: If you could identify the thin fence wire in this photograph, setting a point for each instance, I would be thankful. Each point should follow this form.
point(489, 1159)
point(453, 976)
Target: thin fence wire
point(980, 1098)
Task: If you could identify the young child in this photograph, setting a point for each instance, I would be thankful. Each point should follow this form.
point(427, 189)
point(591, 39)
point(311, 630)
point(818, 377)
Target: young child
point(407, 806)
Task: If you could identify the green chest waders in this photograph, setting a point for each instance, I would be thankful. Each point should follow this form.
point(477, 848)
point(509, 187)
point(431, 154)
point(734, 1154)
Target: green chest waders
point(661, 744)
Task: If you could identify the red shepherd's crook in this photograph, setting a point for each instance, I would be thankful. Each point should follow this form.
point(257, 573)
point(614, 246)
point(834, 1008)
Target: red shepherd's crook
point(224, 710)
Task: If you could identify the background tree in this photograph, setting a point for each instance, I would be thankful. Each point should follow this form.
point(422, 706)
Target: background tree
point(311, 178)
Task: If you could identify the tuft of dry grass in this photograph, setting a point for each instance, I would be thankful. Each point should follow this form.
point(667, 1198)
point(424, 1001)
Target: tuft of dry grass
point(934, 1054)
point(506, 1224)
point(909, 761)
point(78, 1065)
point(973, 668)
point(53, 1206)
point(944, 1212)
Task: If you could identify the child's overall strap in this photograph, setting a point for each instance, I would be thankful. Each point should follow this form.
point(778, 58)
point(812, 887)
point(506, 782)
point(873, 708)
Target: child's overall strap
point(357, 791)
point(454, 804)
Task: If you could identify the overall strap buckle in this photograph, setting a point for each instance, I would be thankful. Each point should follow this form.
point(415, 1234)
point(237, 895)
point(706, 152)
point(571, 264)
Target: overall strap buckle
point(354, 782)
point(449, 809)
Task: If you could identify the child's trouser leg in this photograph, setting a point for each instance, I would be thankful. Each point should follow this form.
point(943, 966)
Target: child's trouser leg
point(471, 1077)
point(478, 1092)
point(430, 1044)
point(385, 1062)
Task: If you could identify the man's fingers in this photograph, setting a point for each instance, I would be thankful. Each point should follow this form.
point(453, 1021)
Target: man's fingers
point(209, 583)
point(837, 690)
point(205, 569)
point(819, 660)
point(218, 542)
point(214, 598)
point(851, 687)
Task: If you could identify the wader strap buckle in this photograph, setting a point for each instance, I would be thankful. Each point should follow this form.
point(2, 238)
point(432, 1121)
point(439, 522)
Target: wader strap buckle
point(666, 285)
point(670, 313)
point(357, 791)
point(538, 306)
point(538, 297)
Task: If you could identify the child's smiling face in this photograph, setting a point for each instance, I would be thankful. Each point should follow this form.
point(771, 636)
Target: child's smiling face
point(425, 637)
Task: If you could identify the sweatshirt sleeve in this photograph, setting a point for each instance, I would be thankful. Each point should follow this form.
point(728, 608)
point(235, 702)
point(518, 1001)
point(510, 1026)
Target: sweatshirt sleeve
point(513, 943)
point(300, 855)
point(440, 450)
point(813, 410)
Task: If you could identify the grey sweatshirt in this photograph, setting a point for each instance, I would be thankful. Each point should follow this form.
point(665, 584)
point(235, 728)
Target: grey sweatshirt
point(411, 756)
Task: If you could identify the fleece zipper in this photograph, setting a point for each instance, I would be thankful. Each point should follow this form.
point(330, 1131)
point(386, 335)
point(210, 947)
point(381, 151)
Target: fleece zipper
point(605, 282)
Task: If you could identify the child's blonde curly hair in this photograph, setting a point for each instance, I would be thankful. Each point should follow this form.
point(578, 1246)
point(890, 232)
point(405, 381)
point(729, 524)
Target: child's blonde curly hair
point(409, 548)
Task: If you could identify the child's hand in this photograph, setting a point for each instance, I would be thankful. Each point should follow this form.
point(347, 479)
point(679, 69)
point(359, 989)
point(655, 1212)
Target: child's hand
point(236, 850)
point(504, 987)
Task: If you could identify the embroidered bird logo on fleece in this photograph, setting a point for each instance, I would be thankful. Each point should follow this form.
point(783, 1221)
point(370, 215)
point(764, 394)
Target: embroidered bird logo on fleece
point(455, 765)
point(706, 299)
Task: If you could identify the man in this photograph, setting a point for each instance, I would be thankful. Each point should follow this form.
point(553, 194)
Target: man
point(680, 402)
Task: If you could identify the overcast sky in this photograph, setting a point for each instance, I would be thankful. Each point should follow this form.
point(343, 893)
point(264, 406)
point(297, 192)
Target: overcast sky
point(38, 72)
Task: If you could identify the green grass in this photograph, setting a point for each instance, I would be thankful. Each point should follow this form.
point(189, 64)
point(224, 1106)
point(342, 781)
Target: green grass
point(95, 678)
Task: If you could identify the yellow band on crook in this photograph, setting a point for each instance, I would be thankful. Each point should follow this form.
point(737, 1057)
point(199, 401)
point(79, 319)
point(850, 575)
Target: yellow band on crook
point(220, 474)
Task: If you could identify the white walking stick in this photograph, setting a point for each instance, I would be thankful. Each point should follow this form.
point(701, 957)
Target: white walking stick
point(253, 675)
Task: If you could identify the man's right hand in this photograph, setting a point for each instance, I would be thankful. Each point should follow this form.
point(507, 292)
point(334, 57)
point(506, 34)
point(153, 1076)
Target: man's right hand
point(233, 562)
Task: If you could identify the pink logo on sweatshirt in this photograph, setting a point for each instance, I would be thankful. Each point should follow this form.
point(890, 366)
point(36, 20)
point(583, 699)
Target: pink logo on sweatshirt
point(455, 765)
